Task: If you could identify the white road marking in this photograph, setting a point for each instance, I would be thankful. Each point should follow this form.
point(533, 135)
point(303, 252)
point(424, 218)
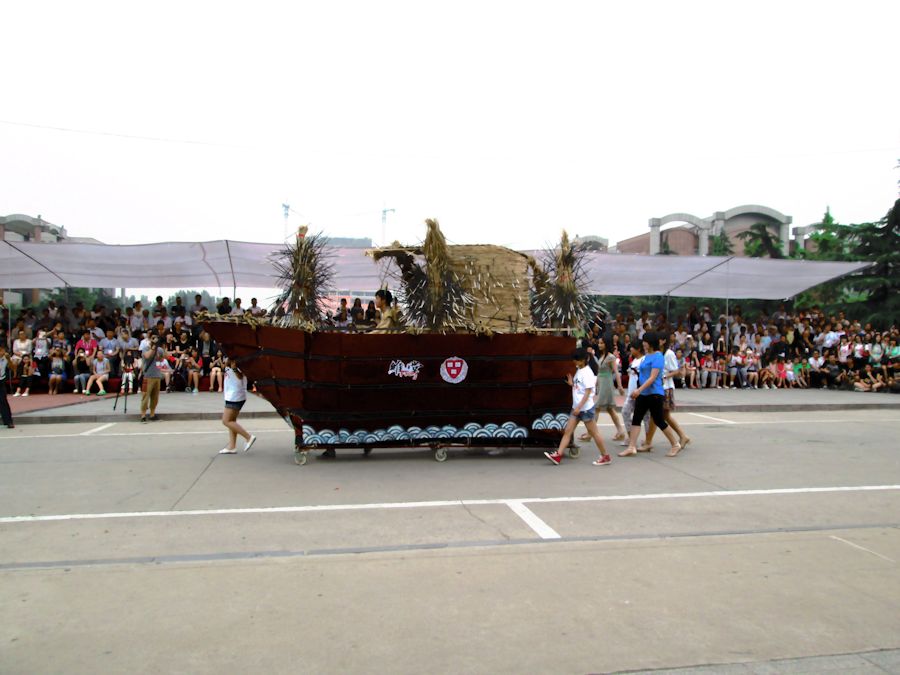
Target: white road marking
point(140, 433)
point(714, 419)
point(20, 436)
point(96, 429)
point(863, 548)
point(444, 503)
point(543, 530)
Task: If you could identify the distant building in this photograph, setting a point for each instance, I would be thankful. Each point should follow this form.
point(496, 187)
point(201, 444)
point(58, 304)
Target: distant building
point(692, 236)
point(593, 242)
point(21, 228)
point(350, 242)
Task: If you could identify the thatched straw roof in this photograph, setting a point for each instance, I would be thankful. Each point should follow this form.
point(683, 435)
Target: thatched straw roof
point(494, 276)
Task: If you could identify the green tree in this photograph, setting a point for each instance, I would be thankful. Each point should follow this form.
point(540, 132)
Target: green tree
point(874, 293)
point(187, 297)
point(760, 241)
point(877, 243)
point(720, 244)
point(88, 296)
point(664, 248)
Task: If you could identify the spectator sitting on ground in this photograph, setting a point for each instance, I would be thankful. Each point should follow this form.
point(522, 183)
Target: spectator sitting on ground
point(100, 370)
point(27, 374)
point(57, 376)
point(111, 349)
point(22, 346)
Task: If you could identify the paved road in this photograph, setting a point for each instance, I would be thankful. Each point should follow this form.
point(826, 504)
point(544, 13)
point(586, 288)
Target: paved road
point(137, 547)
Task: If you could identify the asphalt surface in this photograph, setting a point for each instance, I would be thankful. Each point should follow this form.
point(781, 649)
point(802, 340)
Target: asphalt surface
point(774, 538)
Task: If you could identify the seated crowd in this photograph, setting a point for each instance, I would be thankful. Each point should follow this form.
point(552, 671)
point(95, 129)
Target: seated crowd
point(799, 349)
point(92, 350)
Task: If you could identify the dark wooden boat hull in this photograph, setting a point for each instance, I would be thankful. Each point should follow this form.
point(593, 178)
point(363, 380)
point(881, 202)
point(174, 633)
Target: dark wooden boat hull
point(366, 390)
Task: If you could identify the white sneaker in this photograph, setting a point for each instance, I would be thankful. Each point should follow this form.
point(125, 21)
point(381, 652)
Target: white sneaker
point(16, 394)
point(25, 394)
point(228, 451)
point(249, 444)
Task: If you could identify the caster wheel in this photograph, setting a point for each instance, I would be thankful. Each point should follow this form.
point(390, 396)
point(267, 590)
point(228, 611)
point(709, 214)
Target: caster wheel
point(574, 451)
point(300, 457)
point(440, 455)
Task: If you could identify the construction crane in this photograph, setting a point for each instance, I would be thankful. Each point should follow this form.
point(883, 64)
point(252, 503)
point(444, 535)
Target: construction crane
point(384, 213)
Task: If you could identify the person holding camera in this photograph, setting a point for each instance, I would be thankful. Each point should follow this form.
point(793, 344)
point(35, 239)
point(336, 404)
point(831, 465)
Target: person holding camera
point(152, 375)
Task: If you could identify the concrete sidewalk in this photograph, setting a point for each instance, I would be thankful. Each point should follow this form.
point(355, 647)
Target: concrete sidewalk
point(41, 408)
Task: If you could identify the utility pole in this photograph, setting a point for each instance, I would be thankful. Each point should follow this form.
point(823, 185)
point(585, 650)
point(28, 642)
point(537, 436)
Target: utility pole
point(384, 213)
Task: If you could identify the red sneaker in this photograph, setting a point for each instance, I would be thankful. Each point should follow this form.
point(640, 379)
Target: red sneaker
point(603, 460)
point(554, 457)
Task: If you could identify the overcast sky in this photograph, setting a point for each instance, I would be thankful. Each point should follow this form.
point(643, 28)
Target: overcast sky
point(507, 121)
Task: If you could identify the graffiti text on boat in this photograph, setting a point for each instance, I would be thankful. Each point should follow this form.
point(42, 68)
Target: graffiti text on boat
point(401, 369)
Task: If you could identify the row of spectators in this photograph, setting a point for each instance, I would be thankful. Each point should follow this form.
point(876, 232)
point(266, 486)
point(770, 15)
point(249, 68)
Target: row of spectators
point(803, 348)
point(89, 347)
point(799, 349)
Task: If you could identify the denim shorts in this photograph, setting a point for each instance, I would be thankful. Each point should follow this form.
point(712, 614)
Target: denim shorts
point(584, 415)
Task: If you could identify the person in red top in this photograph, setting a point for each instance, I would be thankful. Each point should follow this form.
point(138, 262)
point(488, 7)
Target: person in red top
point(89, 345)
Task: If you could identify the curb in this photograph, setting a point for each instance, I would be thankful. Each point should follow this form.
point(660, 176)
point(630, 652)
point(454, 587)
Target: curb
point(271, 414)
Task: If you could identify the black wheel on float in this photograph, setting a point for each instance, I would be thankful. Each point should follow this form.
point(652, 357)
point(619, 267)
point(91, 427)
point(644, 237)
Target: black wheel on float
point(440, 454)
point(300, 456)
point(574, 451)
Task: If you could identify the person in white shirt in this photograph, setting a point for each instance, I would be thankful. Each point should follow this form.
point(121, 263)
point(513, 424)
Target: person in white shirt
point(235, 390)
point(255, 309)
point(584, 384)
point(634, 369)
point(197, 306)
point(816, 377)
point(237, 310)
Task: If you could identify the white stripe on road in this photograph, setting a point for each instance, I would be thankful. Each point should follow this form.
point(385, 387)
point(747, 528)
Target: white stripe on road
point(445, 503)
point(714, 419)
point(139, 433)
point(20, 436)
point(96, 429)
point(863, 548)
point(543, 530)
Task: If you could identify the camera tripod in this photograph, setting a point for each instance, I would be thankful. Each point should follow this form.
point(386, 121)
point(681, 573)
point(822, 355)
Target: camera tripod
point(137, 386)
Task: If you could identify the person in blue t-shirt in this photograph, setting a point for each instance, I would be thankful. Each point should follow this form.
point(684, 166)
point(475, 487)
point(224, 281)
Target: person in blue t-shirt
point(649, 396)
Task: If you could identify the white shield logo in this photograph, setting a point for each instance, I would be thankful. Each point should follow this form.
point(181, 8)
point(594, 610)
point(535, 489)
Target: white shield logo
point(454, 370)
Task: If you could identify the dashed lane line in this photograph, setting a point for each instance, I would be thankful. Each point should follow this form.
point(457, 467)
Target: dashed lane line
point(95, 430)
point(542, 529)
point(714, 419)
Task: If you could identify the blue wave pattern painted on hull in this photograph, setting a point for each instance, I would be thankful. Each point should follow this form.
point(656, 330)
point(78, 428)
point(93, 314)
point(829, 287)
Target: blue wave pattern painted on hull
point(550, 422)
point(312, 436)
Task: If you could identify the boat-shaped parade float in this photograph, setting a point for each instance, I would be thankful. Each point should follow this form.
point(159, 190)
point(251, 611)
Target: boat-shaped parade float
point(473, 351)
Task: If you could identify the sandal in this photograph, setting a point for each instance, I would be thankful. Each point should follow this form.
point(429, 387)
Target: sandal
point(584, 437)
point(674, 451)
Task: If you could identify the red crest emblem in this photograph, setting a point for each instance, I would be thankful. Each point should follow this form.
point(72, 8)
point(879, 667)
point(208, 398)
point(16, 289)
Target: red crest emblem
point(454, 370)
